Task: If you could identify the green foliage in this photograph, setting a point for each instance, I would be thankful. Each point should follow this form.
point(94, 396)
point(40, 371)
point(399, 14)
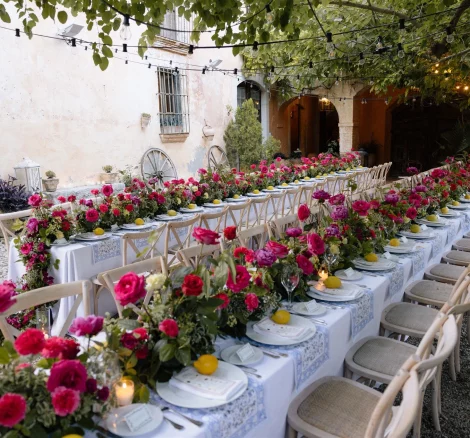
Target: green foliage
point(456, 141)
point(270, 146)
point(243, 136)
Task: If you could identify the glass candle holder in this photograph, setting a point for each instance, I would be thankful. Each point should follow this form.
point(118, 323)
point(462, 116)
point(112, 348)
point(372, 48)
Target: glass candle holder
point(124, 390)
point(323, 274)
point(43, 320)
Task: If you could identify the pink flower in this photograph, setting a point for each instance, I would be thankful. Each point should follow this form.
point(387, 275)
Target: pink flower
point(321, 195)
point(94, 192)
point(241, 251)
point(411, 213)
point(89, 326)
point(206, 237)
point(374, 204)
point(116, 212)
point(303, 213)
point(7, 292)
point(224, 298)
point(35, 200)
point(242, 279)
point(215, 177)
point(278, 249)
point(293, 232)
point(65, 401)
point(252, 302)
point(107, 190)
point(315, 244)
point(60, 348)
point(69, 373)
point(361, 207)
point(169, 327)
point(30, 341)
point(12, 409)
point(337, 199)
point(130, 288)
point(412, 170)
point(305, 264)
point(92, 215)
point(61, 199)
point(72, 198)
point(103, 393)
point(104, 208)
point(202, 171)
point(32, 225)
point(265, 258)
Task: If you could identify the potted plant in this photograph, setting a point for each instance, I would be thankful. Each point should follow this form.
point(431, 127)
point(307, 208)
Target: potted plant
point(108, 177)
point(51, 182)
point(145, 120)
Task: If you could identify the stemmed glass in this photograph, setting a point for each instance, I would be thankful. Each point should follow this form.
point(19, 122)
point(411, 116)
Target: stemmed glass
point(290, 278)
point(330, 259)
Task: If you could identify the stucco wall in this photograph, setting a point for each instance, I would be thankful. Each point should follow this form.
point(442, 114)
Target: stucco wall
point(60, 110)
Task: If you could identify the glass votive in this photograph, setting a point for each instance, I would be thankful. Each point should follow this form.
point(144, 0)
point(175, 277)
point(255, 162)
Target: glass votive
point(323, 274)
point(124, 389)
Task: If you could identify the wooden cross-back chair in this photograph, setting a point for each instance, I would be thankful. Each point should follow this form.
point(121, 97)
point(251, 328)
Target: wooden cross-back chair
point(197, 255)
point(217, 219)
point(291, 201)
point(275, 205)
point(254, 237)
point(237, 214)
point(279, 225)
point(44, 295)
point(257, 212)
point(5, 218)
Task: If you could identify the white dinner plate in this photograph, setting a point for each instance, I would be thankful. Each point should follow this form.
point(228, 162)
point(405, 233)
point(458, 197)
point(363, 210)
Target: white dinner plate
point(167, 218)
point(228, 355)
point(295, 320)
point(431, 223)
point(451, 214)
point(271, 191)
point(240, 199)
point(459, 207)
point(422, 235)
point(115, 422)
point(336, 292)
point(191, 210)
point(255, 195)
point(284, 187)
point(381, 265)
point(61, 243)
point(464, 200)
point(310, 180)
point(91, 237)
point(342, 276)
point(325, 297)
point(211, 205)
point(134, 227)
point(318, 311)
point(403, 248)
point(185, 399)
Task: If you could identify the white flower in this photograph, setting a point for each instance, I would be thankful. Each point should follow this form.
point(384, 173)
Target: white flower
point(178, 201)
point(206, 195)
point(334, 249)
point(59, 235)
point(194, 188)
point(155, 281)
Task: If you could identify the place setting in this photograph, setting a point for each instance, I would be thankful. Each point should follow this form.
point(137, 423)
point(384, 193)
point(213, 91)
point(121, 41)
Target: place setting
point(169, 216)
point(373, 262)
point(332, 289)
point(236, 198)
point(456, 205)
point(216, 203)
point(191, 208)
point(400, 246)
point(432, 220)
point(417, 232)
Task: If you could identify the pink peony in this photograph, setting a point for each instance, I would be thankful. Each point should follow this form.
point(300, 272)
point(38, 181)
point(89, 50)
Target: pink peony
point(7, 292)
point(293, 232)
point(107, 190)
point(12, 409)
point(60, 348)
point(321, 195)
point(130, 288)
point(252, 302)
point(206, 237)
point(169, 327)
point(92, 215)
point(315, 244)
point(72, 198)
point(30, 341)
point(303, 213)
point(278, 249)
point(242, 279)
point(89, 326)
point(224, 298)
point(361, 207)
point(35, 200)
point(65, 401)
point(305, 264)
point(69, 373)
point(265, 258)
point(192, 285)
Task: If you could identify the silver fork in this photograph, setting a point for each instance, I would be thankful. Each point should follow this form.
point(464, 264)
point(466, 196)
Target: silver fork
point(177, 426)
point(195, 422)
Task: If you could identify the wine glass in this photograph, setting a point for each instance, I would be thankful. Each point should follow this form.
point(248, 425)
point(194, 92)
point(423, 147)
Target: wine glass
point(330, 259)
point(290, 278)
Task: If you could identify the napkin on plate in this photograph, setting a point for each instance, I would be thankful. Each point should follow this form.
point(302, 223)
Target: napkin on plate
point(340, 292)
point(210, 387)
point(268, 327)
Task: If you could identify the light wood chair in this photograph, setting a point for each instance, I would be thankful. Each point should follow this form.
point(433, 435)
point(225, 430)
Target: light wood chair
point(275, 203)
point(257, 212)
point(237, 214)
point(44, 295)
point(429, 292)
point(213, 220)
point(444, 273)
point(197, 255)
point(278, 226)
point(255, 237)
point(5, 218)
point(291, 201)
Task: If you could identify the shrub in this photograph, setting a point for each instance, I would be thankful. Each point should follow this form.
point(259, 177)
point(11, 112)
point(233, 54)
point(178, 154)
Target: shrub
point(12, 197)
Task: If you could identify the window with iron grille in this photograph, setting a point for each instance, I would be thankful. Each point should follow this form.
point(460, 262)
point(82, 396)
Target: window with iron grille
point(173, 21)
point(173, 101)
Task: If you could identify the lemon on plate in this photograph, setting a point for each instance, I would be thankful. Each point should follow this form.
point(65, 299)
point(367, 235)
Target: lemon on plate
point(72, 435)
point(191, 206)
point(296, 181)
point(216, 201)
point(284, 184)
point(270, 188)
point(455, 203)
point(307, 178)
point(332, 282)
point(139, 221)
point(256, 191)
point(371, 257)
point(415, 228)
point(207, 364)
point(394, 242)
point(444, 210)
point(467, 196)
point(171, 213)
point(98, 231)
point(432, 218)
point(281, 317)
point(236, 196)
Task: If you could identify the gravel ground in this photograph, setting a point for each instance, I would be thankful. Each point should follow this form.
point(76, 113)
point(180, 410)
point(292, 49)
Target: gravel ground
point(3, 261)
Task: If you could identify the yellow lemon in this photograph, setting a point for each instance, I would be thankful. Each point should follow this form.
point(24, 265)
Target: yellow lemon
point(236, 196)
point(256, 191)
point(467, 196)
point(348, 168)
point(444, 210)
point(72, 435)
point(371, 257)
point(332, 282)
point(206, 364)
point(98, 231)
point(270, 188)
point(139, 221)
point(455, 203)
point(296, 181)
point(281, 317)
point(284, 184)
point(171, 213)
point(394, 242)
point(216, 201)
point(415, 228)
point(432, 218)
point(191, 206)
point(307, 178)
point(332, 173)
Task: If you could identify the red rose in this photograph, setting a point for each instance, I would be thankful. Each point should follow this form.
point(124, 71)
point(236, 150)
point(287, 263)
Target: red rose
point(278, 249)
point(305, 264)
point(69, 373)
point(12, 409)
point(30, 341)
point(169, 327)
point(65, 401)
point(230, 232)
point(104, 208)
point(251, 302)
point(65, 226)
point(129, 207)
point(72, 198)
point(116, 212)
point(94, 191)
point(206, 237)
point(92, 215)
point(142, 353)
point(224, 298)
point(192, 285)
point(130, 288)
point(315, 244)
point(411, 213)
point(107, 190)
point(361, 207)
point(303, 213)
point(61, 199)
point(242, 279)
point(103, 393)
point(60, 348)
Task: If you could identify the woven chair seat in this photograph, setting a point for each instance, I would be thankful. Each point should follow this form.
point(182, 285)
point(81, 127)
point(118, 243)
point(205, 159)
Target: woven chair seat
point(410, 316)
point(432, 290)
point(383, 355)
point(462, 244)
point(339, 408)
point(445, 271)
point(459, 256)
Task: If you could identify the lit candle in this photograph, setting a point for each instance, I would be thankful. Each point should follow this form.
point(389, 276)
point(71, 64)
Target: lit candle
point(323, 274)
point(124, 392)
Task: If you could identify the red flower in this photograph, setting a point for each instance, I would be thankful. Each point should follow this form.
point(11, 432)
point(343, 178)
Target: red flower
point(116, 212)
point(315, 244)
point(305, 264)
point(192, 285)
point(30, 341)
point(303, 213)
point(241, 251)
point(61, 199)
point(230, 232)
point(103, 393)
point(26, 248)
point(7, 292)
point(252, 302)
point(60, 348)
point(65, 401)
point(94, 192)
point(411, 213)
point(92, 215)
point(445, 194)
point(104, 208)
point(129, 207)
point(35, 200)
point(130, 288)
point(242, 279)
point(69, 373)
point(107, 190)
point(12, 409)
point(206, 237)
point(361, 207)
point(169, 327)
point(66, 226)
point(160, 199)
point(72, 198)
point(278, 249)
point(224, 298)
point(142, 353)
point(89, 326)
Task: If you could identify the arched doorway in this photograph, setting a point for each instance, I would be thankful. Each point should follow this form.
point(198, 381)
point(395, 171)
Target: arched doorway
point(328, 126)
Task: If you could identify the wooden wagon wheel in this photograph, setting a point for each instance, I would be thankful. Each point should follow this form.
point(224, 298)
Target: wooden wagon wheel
point(158, 165)
point(216, 158)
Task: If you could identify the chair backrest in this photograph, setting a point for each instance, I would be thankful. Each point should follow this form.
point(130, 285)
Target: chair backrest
point(306, 192)
point(44, 295)
point(254, 237)
point(237, 214)
point(275, 203)
point(257, 212)
point(142, 244)
point(4, 228)
point(280, 224)
point(217, 219)
point(111, 277)
point(291, 201)
point(197, 255)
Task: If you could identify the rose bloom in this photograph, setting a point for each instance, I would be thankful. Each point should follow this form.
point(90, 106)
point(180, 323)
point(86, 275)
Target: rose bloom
point(104, 208)
point(252, 302)
point(242, 279)
point(7, 292)
point(224, 298)
point(293, 232)
point(337, 199)
point(35, 200)
point(12, 409)
point(61, 199)
point(265, 258)
point(192, 285)
point(130, 288)
point(103, 393)
point(107, 190)
point(332, 231)
point(72, 198)
point(412, 170)
point(116, 212)
point(339, 213)
point(305, 264)
point(206, 237)
point(315, 244)
point(88, 326)
point(321, 195)
point(69, 373)
point(241, 251)
point(361, 207)
point(129, 208)
point(60, 348)
point(230, 232)
point(94, 192)
point(169, 327)
point(303, 213)
point(30, 341)
point(421, 188)
point(392, 198)
point(32, 225)
point(65, 401)
point(411, 213)
point(92, 215)
point(278, 249)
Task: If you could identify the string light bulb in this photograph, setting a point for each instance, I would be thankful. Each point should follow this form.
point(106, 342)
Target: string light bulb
point(125, 33)
point(272, 69)
point(269, 14)
point(310, 64)
point(450, 35)
point(17, 33)
point(362, 61)
point(204, 71)
point(465, 88)
point(235, 71)
point(337, 81)
point(74, 42)
point(330, 47)
point(191, 49)
point(401, 52)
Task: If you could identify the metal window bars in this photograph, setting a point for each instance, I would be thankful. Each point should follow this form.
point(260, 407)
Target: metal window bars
point(173, 101)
